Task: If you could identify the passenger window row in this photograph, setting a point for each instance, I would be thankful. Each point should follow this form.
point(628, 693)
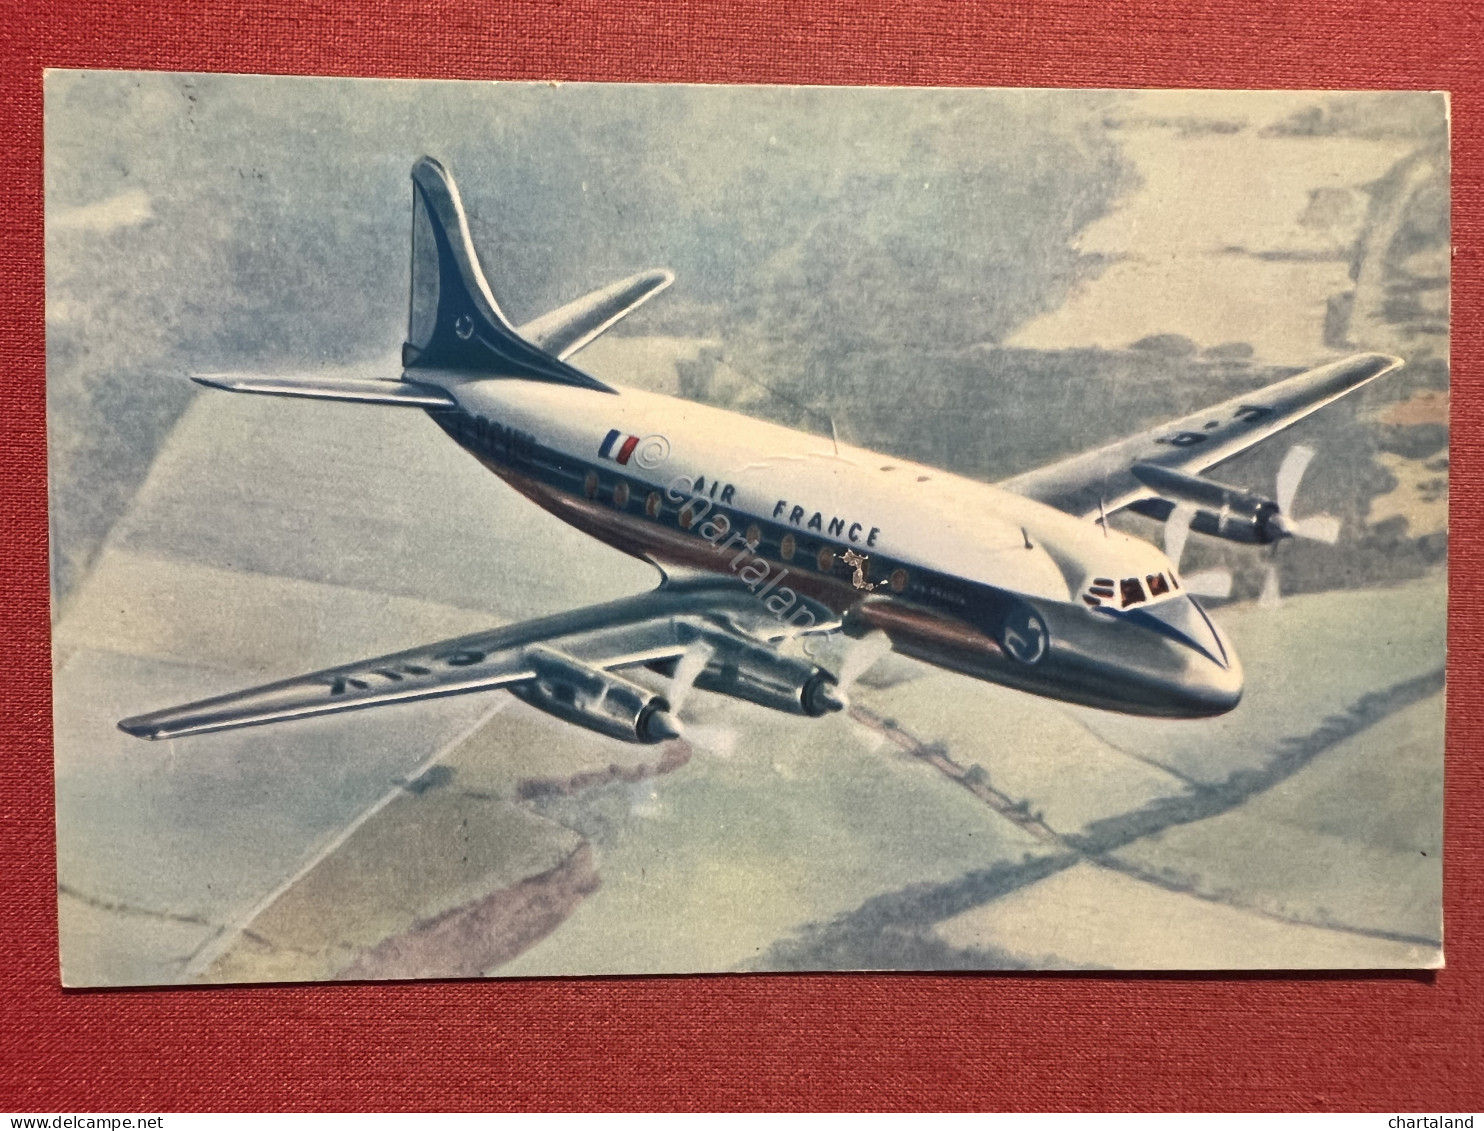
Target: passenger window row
point(825, 560)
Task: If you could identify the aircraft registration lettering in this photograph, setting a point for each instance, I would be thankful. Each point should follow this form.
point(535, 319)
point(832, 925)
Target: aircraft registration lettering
point(1246, 414)
point(834, 527)
point(1183, 439)
point(360, 681)
point(342, 682)
point(502, 441)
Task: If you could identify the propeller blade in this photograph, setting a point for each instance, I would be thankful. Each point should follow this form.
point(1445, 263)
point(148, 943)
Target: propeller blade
point(1215, 583)
point(860, 656)
point(870, 737)
point(1318, 528)
point(687, 671)
point(1177, 530)
point(1272, 592)
point(1290, 472)
point(716, 739)
point(644, 800)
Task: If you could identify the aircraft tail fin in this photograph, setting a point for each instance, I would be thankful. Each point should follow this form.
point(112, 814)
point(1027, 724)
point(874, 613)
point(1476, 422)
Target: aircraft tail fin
point(454, 320)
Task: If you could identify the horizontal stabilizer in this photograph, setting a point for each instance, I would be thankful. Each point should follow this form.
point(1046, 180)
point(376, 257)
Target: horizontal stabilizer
point(364, 390)
point(567, 329)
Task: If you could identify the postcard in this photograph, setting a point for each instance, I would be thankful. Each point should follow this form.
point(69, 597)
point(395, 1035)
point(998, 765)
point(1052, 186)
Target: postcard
point(558, 529)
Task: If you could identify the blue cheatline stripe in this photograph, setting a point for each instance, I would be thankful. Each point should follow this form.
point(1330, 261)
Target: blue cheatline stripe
point(608, 442)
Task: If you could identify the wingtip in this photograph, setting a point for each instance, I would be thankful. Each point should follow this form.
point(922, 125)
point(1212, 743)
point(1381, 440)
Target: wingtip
point(140, 727)
point(650, 282)
point(1383, 362)
point(655, 281)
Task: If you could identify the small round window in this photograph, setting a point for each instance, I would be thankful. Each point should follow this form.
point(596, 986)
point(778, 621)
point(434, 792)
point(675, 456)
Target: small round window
point(652, 505)
point(590, 485)
point(754, 537)
point(826, 559)
point(898, 580)
point(621, 494)
point(786, 548)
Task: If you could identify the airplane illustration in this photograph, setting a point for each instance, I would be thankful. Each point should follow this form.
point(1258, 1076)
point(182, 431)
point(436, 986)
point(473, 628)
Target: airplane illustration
point(763, 535)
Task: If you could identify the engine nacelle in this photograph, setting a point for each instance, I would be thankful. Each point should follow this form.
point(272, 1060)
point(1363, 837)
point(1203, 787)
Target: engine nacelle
point(1221, 511)
point(758, 674)
point(597, 700)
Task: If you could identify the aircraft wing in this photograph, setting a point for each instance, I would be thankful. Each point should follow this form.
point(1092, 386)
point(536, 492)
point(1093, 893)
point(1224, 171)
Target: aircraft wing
point(655, 626)
point(1103, 479)
point(565, 330)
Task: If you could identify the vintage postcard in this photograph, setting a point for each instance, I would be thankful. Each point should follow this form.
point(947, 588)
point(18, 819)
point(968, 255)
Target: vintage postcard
point(540, 529)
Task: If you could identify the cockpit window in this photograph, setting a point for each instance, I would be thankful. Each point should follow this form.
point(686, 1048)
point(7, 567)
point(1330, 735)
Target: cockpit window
point(1129, 591)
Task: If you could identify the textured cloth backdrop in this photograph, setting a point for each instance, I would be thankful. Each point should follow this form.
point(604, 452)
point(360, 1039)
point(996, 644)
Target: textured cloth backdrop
point(840, 1041)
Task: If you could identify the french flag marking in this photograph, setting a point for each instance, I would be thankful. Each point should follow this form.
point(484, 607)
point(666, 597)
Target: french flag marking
point(625, 450)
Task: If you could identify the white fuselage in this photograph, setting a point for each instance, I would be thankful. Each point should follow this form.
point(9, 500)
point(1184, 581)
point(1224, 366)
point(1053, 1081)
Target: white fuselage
point(958, 572)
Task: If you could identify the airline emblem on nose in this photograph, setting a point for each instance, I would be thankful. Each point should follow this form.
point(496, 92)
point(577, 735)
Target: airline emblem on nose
point(1024, 636)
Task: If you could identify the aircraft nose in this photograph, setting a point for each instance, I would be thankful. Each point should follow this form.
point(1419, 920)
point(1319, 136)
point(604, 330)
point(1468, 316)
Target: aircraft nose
point(1185, 622)
point(1210, 682)
point(1216, 688)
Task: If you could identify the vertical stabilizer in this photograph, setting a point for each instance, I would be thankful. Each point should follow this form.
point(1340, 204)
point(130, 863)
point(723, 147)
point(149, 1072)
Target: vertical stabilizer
point(454, 321)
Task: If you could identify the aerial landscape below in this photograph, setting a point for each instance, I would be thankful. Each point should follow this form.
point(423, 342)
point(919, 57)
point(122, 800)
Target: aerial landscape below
point(981, 529)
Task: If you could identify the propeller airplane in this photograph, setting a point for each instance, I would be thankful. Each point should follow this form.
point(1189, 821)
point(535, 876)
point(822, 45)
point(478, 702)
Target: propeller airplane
point(762, 534)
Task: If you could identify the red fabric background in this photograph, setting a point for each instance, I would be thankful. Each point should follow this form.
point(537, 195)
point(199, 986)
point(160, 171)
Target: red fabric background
point(844, 1041)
